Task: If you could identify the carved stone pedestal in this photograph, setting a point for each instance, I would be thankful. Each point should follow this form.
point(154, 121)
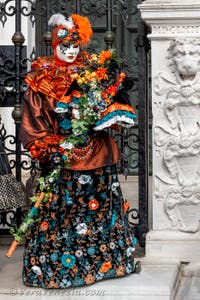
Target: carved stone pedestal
point(175, 44)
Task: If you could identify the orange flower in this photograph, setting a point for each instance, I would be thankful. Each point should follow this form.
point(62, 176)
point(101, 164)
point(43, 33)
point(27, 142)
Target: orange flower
point(37, 143)
point(101, 73)
point(105, 266)
point(66, 99)
point(126, 206)
point(107, 100)
point(38, 149)
point(112, 90)
point(61, 150)
point(93, 204)
point(103, 94)
point(52, 284)
point(35, 154)
point(103, 56)
point(50, 197)
point(76, 94)
point(120, 271)
point(43, 145)
point(51, 139)
point(122, 75)
point(34, 150)
point(44, 226)
point(89, 279)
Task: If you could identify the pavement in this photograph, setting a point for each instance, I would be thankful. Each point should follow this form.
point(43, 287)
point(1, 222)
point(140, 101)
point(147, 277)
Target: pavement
point(154, 282)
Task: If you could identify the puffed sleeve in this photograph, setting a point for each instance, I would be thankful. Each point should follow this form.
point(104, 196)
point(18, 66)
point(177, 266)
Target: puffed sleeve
point(37, 117)
point(119, 112)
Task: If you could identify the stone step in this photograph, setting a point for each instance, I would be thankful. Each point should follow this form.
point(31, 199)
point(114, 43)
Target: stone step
point(189, 285)
point(156, 281)
point(189, 289)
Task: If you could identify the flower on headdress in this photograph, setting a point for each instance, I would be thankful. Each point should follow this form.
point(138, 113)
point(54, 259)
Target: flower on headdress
point(62, 33)
point(75, 36)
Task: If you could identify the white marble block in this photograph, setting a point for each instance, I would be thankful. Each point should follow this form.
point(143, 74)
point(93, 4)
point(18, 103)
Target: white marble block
point(175, 46)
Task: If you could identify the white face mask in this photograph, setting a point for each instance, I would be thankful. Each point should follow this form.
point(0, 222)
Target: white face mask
point(67, 52)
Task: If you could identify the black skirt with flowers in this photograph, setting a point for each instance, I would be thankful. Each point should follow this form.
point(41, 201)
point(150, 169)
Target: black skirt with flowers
point(83, 235)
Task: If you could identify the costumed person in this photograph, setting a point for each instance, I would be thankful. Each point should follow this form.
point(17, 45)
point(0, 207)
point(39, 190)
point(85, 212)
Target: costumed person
point(81, 234)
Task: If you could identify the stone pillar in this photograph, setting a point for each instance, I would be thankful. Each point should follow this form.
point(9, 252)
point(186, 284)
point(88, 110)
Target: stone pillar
point(175, 46)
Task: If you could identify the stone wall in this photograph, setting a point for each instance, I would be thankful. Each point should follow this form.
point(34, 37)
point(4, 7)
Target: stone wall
point(175, 47)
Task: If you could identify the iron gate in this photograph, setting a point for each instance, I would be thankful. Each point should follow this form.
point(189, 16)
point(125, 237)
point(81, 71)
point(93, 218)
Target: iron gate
point(116, 23)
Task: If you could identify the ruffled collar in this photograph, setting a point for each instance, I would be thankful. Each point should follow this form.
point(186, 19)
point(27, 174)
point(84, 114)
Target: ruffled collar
point(53, 78)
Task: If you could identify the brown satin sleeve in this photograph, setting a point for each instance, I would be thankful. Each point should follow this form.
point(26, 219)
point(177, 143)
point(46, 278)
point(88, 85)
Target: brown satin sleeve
point(105, 152)
point(38, 122)
point(37, 117)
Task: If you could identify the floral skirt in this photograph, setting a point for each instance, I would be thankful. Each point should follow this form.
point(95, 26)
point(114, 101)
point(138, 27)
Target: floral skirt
point(83, 235)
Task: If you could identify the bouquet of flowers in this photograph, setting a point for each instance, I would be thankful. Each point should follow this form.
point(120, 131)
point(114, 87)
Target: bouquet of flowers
point(98, 86)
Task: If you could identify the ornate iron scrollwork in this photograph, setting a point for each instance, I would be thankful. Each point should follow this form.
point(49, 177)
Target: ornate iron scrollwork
point(7, 8)
point(93, 9)
point(7, 74)
point(9, 218)
point(7, 66)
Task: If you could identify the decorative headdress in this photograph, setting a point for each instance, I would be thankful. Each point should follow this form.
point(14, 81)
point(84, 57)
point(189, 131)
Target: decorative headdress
point(74, 28)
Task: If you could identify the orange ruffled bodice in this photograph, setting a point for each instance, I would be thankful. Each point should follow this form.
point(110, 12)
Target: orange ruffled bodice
point(54, 78)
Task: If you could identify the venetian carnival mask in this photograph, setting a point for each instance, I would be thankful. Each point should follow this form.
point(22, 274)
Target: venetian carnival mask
point(69, 34)
point(67, 52)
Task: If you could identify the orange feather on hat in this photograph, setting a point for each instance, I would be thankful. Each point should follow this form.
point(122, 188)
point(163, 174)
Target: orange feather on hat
point(83, 27)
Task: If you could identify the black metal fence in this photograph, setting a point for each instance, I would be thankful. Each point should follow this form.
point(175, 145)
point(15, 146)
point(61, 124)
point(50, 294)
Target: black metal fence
point(13, 68)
